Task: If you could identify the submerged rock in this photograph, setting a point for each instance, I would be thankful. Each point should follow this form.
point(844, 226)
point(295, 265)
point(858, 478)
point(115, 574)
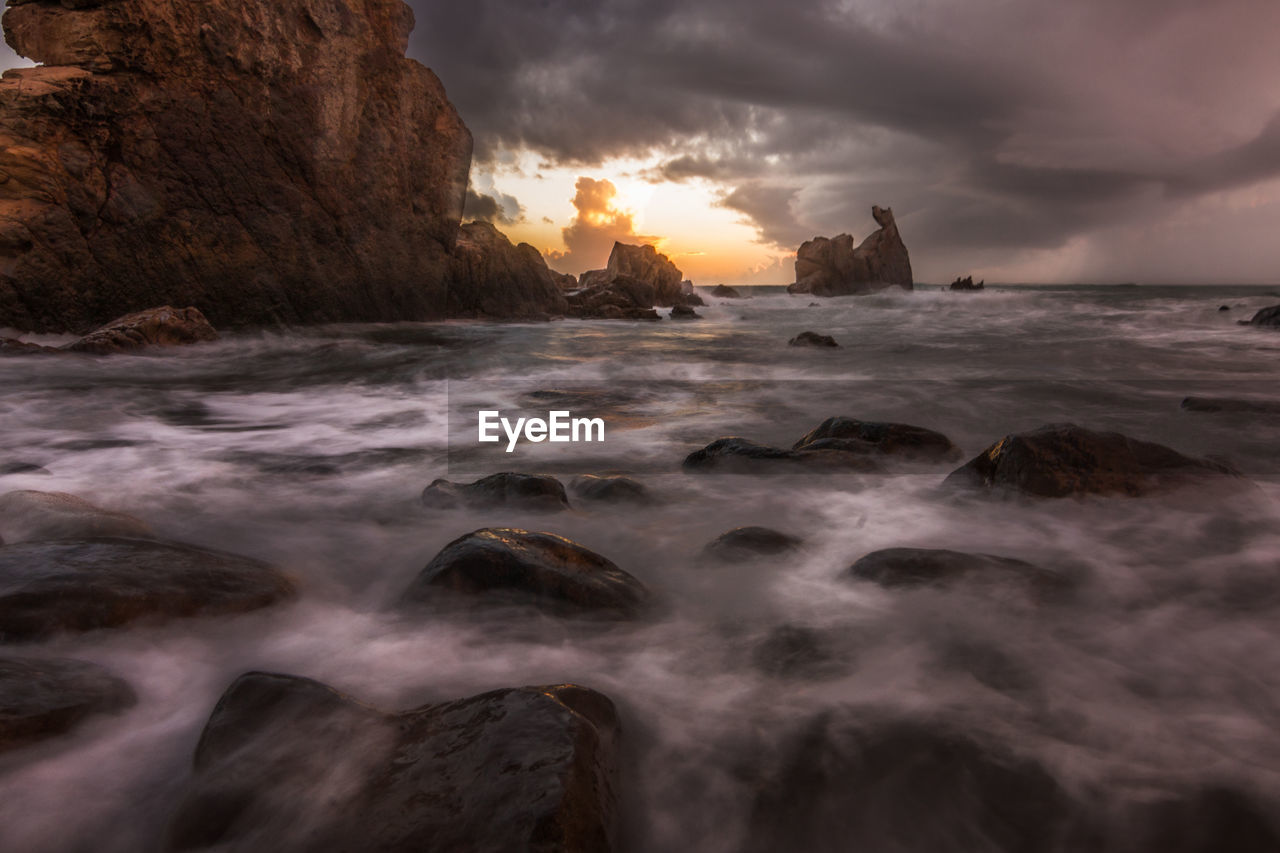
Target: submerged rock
point(724, 291)
point(792, 651)
point(537, 568)
point(966, 283)
point(1060, 460)
point(155, 327)
point(812, 339)
point(1231, 404)
point(9, 468)
point(684, 312)
point(609, 488)
point(86, 584)
point(734, 455)
point(909, 567)
point(834, 267)
point(901, 440)
point(44, 697)
point(906, 785)
point(490, 277)
point(288, 764)
point(620, 298)
point(537, 492)
point(13, 346)
point(1265, 317)
point(265, 160)
point(747, 542)
point(29, 516)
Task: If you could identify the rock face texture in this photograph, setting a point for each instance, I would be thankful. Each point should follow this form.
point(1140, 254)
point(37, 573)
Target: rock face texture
point(490, 277)
point(288, 764)
point(40, 698)
point(637, 279)
point(1062, 460)
point(157, 327)
point(834, 267)
point(262, 160)
point(87, 584)
point(543, 569)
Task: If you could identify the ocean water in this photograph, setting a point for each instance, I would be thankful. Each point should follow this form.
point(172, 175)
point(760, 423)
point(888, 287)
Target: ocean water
point(309, 449)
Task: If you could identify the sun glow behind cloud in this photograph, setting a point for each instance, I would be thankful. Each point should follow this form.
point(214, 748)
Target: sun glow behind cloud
point(624, 199)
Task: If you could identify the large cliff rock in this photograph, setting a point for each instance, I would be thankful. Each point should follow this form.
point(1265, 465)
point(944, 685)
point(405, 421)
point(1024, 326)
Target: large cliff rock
point(490, 277)
point(834, 267)
point(262, 160)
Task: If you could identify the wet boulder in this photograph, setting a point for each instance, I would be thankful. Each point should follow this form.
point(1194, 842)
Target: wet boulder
point(794, 651)
point(44, 697)
point(155, 327)
point(684, 312)
point(508, 490)
point(542, 569)
point(813, 339)
point(913, 567)
point(743, 543)
point(290, 765)
point(28, 516)
point(724, 291)
point(622, 297)
point(87, 584)
point(1265, 317)
point(1061, 460)
point(900, 440)
point(734, 455)
point(609, 488)
point(845, 783)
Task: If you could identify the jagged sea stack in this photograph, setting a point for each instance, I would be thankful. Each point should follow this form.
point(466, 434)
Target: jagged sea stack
point(834, 267)
point(262, 160)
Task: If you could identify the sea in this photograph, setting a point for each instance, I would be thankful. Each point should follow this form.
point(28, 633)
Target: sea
point(309, 448)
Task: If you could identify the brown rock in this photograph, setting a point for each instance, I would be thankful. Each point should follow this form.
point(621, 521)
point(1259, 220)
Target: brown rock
point(489, 277)
point(532, 492)
point(44, 697)
point(287, 764)
point(620, 298)
point(834, 267)
point(87, 584)
point(724, 291)
point(264, 160)
point(901, 440)
point(156, 327)
point(648, 265)
point(31, 516)
point(1060, 460)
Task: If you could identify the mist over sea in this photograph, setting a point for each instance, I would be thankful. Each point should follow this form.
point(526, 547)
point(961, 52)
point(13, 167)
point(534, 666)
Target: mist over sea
point(309, 449)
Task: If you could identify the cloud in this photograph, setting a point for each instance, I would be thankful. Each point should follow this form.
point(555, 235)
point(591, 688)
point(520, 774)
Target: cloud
point(596, 226)
point(493, 207)
point(985, 124)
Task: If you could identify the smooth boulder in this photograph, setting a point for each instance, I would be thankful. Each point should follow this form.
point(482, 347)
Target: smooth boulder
point(1062, 460)
point(735, 455)
point(892, 439)
point(914, 567)
point(31, 516)
point(911, 784)
point(542, 569)
point(609, 488)
point(684, 312)
point(87, 584)
point(753, 541)
point(1265, 317)
point(45, 697)
point(724, 291)
point(288, 764)
point(155, 327)
point(508, 490)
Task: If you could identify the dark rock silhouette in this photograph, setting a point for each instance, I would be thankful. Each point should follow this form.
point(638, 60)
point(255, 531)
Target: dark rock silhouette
point(724, 291)
point(966, 283)
point(534, 492)
point(834, 267)
point(812, 339)
point(262, 161)
point(637, 279)
point(911, 567)
point(288, 764)
point(1265, 317)
point(684, 312)
point(901, 440)
point(490, 277)
point(748, 542)
point(609, 488)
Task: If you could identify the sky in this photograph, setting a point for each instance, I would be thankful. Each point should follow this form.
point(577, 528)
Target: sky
point(1015, 140)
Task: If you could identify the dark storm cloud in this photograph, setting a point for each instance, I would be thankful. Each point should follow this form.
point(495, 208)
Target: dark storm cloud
point(984, 123)
point(499, 208)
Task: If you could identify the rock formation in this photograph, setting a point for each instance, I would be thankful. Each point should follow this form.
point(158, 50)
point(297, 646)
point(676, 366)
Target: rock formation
point(263, 160)
point(743, 543)
point(966, 283)
point(1265, 317)
point(509, 490)
point(156, 327)
point(724, 291)
point(490, 277)
point(892, 439)
point(637, 279)
point(834, 267)
point(288, 764)
point(813, 339)
point(909, 567)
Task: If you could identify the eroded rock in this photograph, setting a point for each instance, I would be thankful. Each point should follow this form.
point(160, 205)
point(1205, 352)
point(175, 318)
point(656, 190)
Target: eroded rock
point(542, 569)
point(288, 764)
point(834, 267)
point(966, 283)
point(155, 327)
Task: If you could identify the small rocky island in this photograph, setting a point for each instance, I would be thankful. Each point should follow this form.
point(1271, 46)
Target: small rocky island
point(835, 267)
